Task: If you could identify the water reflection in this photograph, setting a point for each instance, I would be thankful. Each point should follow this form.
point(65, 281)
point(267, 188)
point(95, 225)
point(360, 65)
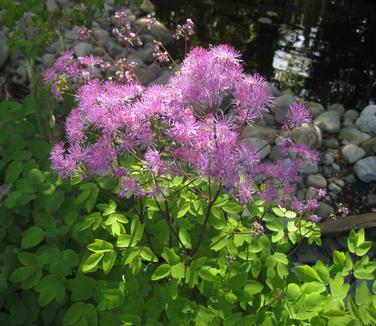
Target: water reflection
point(323, 50)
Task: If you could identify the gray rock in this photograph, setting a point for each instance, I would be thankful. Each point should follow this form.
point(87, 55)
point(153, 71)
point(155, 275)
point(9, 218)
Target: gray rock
point(83, 48)
point(276, 153)
point(311, 193)
point(328, 158)
point(365, 169)
point(51, 5)
point(324, 210)
point(115, 49)
point(340, 182)
point(334, 188)
point(101, 35)
point(315, 108)
point(369, 145)
point(149, 73)
point(337, 107)
point(352, 153)
point(48, 59)
point(160, 32)
point(353, 136)
point(144, 53)
point(308, 134)
point(333, 196)
point(316, 181)
point(310, 169)
point(281, 107)
point(336, 167)
point(4, 50)
point(147, 6)
point(331, 143)
point(367, 120)
point(329, 121)
point(352, 115)
point(275, 91)
point(347, 123)
point(350, 178)
point(259, 143)
point(327, 171)
point(164, 77)
point(258, 132)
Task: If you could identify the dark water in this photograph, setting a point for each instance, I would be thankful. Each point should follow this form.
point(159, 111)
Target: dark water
point(323, 50)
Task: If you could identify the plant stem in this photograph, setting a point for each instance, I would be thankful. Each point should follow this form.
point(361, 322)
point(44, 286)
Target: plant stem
point(206, 219)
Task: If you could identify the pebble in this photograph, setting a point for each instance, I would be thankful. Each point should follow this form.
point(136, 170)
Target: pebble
point(334, 188)
point(315, 108)
point(310, 168)
point(336, 167)
point(350, 178)
point(352, 115)
point(329, 121)
point(316, 181)
point(258, 143)
point(160, 32)
point(258, 132)
point(311, 193)
point(337, 107)
point(367, 120)
point(353, 136)
point(164, 77)
point(324, 210)
point(365, 169)
point(340, 182)
point(328, 159)
point(369, 145)
point(83, 48)
point(352, 153)
point(308, 134)
point(331, 143)
point(281, 106)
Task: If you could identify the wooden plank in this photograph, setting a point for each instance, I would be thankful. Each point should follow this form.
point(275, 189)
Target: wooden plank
point(343, 224)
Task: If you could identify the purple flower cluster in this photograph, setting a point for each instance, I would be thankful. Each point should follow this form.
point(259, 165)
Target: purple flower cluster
point(192, 124)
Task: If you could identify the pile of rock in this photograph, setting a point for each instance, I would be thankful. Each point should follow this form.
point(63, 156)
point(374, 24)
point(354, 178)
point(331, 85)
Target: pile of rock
point(345, 139)
point(14, 65)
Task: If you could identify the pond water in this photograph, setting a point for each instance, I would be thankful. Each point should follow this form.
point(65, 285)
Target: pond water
point(323, 50)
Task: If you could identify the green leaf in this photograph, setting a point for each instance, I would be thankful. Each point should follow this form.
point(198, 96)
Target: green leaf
point(53, 202)
point(293, 292)
point(148, 255)
point(306, 273)
point(100, 246)
point(92, 261)
point(185, 238)
point(178, 271)
point(108, 261)
point(338, 257)
point(74, 313)
point(232, 208)
point(323, 272)
point(253, 287)
point(353, 308)
point(363, 248)
point(36, 176)
point(31, 237)
point(40, 149)
point(337, 288)
point(278, 211)
point(207, 274)
point(362, 295)
point(161, 272)
point(170, 256)
point(13, 171)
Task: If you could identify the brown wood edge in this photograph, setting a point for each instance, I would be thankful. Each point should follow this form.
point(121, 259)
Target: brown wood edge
point(344, 224)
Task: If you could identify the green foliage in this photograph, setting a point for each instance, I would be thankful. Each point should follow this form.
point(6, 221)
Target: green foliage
point(72, 253)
